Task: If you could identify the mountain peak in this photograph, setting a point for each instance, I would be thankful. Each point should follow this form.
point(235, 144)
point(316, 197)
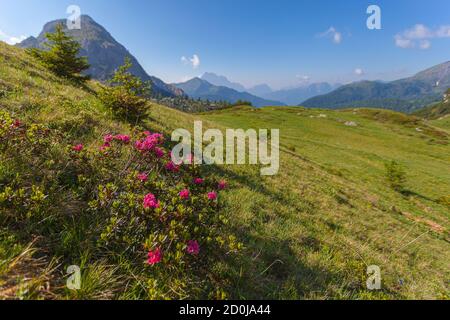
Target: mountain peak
point(104, 53)
point(219, 80)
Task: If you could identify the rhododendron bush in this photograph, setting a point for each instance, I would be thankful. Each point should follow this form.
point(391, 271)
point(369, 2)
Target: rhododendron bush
point(164, 218)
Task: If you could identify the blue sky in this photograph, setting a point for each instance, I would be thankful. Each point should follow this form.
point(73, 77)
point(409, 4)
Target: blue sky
point(282, 43)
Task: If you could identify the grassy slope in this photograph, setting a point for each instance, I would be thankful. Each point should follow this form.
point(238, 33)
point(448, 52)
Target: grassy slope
point(29, 92)
point(332, 189)
point(309, 231)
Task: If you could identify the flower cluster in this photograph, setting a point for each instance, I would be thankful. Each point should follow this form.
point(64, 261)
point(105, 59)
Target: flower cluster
point(161, 216)
point(150, 142)
point(150, 201)
point(168, 209)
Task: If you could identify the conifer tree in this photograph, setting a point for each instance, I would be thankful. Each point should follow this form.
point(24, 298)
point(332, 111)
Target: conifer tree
point(62, 55)
point(126, 94)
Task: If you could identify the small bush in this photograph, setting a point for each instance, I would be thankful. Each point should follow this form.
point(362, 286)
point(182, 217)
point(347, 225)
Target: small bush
point(125, 97)
point(241, 103)
point(395, 175)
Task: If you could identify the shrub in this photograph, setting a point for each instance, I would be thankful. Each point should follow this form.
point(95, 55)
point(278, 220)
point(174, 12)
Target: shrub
point(165, 220)
point(125, 97)
point(395, 175)
point(62, 56)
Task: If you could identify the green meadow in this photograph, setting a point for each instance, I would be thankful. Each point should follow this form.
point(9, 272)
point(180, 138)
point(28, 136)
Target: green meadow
point(309, 232)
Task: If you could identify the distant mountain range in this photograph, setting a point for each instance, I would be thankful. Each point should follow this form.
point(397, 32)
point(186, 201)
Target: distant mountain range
point(406, 95)
point(260, 90)
point(291, 96)
point(201, 89)
point(222, 81)
point(104, 53)
point(294, 96)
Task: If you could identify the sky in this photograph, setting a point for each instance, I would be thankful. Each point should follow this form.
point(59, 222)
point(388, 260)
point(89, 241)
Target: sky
point(282, 43)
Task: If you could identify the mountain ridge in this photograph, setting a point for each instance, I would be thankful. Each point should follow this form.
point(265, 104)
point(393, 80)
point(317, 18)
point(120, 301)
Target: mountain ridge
point(406, 95)
point(293, 96)
point(104, 53)
point(201, 89)
point(222, 81)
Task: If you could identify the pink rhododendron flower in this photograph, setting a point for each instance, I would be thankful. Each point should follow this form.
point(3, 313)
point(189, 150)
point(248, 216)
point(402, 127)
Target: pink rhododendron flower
point(193, 247)
point(159, 152)
point(184, 194)
point(78, 148)
point(150, 142)
point(122, 137)
point(105, 146)
point(198, 180)
point(150, 201)
point(147, 133)
point(143, 177)
point(212, 195)
point(154, 257)
point(108, 138)
point(222, 185)
point(172, 167)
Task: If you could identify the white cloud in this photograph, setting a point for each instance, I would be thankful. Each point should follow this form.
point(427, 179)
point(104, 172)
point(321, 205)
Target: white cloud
point(359, 71)
point(194, 61)
point(11, 39)
point(443, 32)
point(419, 36)
point(425, 44)
point(333, 34)
point(403, 43)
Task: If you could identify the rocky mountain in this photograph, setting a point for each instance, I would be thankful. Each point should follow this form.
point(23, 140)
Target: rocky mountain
point(294, 96)
point(222, 81)
point(199, 88)
point(406, 95)
point(104, 53)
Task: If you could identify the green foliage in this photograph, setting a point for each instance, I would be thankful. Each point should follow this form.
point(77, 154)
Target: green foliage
point(109, 186)
point(395, 175)
point(62, 56)
point(125, 97)
point(241, 103)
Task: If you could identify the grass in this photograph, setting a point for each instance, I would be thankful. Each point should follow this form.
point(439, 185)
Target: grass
point(332, 190)
point(309, 232)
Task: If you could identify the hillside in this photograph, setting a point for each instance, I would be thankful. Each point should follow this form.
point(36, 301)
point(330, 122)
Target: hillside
point(104, 53)
point(437, 110)
point(405, 95)
point(308, 233)
point(200, 89)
